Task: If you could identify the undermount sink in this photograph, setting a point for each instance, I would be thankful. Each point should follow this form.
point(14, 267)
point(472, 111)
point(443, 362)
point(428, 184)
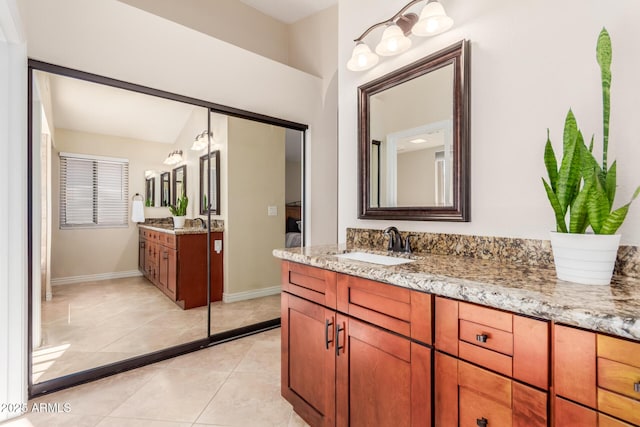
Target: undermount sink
point(374, 258)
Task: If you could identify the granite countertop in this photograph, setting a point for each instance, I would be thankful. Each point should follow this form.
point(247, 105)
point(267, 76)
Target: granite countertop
point(529, 290)
point(178, 231)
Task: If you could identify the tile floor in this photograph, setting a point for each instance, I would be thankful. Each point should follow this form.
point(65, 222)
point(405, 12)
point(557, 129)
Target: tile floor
point(231, 384)
point(96, 323)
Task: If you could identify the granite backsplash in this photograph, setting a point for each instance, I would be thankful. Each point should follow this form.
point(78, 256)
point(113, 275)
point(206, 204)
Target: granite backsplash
point(216, 224)
point(503, 249)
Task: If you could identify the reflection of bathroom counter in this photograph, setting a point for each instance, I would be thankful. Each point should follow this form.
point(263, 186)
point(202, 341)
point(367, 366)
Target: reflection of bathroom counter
point(197, 229)
point(175, 261)
point(532, 291)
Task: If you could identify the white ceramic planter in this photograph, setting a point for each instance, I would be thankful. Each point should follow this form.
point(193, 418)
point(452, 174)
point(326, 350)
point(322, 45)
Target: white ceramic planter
point(585, 258)
point(178, 221)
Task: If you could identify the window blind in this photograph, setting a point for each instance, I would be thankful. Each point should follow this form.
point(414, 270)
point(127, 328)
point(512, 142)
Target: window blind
point(94, 191)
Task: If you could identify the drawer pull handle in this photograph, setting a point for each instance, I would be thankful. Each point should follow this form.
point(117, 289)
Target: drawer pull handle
point(482, 422)
point(482, 338)
point(636, 387)
point(327, 323)
point(338, 346)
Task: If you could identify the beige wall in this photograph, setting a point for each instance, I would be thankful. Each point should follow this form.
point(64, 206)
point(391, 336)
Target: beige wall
point(293, 172)
point(228, 20)
point(416, 177)
point(98, 251)
point(256, 180)
point(313, 43)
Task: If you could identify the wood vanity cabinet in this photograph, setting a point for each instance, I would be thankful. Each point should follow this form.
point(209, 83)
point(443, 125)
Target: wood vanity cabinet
point(354, 352)
point(491, 367)
point(596, 379)
point(177, 265)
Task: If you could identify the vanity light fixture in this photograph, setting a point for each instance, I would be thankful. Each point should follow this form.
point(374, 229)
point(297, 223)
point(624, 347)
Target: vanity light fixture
point(173, 158)
point(395, 38)
point(201, 141)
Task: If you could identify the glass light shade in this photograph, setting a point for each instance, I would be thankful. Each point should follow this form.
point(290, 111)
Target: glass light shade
point(433, 20)
point(362, 58)
point(199, 144)
point(393, 41)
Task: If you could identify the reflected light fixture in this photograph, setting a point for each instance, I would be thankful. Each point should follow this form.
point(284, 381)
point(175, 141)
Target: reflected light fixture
point(395, 38)
point(201, 141)
point(173, 158)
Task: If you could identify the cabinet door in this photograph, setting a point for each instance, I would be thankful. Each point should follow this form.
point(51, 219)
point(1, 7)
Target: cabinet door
point(167, 271)
point(308, 360)
point(383, 380)
point(467, 395)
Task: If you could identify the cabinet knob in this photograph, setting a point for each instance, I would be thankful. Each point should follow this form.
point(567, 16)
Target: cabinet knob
point(482, 338)
point(636, 387)
point(482, 422)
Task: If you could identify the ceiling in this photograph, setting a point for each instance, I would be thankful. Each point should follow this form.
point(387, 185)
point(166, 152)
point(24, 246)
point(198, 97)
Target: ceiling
point(289, 11)
point(94, 108)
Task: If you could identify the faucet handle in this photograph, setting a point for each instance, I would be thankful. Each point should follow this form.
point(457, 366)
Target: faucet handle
point(407, 243)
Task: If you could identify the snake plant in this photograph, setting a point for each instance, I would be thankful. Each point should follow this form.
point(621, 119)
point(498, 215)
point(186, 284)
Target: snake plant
point(581, 187)
point(180, 208)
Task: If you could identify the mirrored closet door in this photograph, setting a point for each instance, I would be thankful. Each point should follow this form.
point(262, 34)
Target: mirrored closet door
point(153, 219)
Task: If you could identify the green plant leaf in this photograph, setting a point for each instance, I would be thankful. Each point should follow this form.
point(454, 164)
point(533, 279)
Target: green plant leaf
point(569, 175)
point(604, 54)
point(597, 204)
point(579, 219)
point(561, 226)
point(610, 183)
point(617, 217)
point(551, 163)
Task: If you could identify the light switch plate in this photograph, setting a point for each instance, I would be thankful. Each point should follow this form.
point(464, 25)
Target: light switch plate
point(272, 210)
point(217, 246)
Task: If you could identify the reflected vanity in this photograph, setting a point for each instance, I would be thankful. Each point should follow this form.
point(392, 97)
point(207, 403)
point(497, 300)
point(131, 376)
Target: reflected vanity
point(414, 140)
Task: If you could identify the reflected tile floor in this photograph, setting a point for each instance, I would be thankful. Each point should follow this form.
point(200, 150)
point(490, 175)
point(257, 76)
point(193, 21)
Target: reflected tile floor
point(95, 323)
point(233, 384)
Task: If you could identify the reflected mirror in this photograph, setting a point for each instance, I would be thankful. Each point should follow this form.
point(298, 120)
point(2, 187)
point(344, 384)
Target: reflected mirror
point(210, 183)
point(414, 141)
point(165, 189)
point(150, 192)
point(179, 182)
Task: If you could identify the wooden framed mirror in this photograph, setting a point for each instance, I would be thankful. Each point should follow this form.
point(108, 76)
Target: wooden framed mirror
point(165, 189)
point(413, 140)
point(179, 176)
point(210, 178)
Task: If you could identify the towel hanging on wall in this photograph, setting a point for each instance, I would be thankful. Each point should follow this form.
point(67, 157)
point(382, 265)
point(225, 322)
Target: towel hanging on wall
point(137, 209)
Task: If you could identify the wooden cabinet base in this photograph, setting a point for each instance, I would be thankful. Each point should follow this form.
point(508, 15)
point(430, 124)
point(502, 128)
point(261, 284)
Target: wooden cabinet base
point(177, 265)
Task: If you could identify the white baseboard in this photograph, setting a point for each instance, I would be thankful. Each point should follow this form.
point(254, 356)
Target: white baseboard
point(94, 277)
point(241, 296)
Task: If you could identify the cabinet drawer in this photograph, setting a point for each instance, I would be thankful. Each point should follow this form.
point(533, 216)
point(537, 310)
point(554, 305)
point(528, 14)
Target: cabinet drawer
point(619, 350)
point(619, 406)
point(168, 240)
point(403, 311)
point(619, 378)
point(510, 344)
point(311, 283)
point(467, 395)
point(486, 337)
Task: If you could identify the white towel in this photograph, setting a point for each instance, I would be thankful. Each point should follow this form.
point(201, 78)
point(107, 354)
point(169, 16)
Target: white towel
point(137, 211)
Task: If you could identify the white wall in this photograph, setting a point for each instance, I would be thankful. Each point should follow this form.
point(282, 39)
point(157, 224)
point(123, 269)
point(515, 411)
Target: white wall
point(530, 62)
point(13, 222)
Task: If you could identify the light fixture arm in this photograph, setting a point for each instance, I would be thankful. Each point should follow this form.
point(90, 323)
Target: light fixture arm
point(391, 20)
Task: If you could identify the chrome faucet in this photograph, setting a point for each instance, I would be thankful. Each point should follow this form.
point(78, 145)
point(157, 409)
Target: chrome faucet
point(396, 242)
point(204, 224)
